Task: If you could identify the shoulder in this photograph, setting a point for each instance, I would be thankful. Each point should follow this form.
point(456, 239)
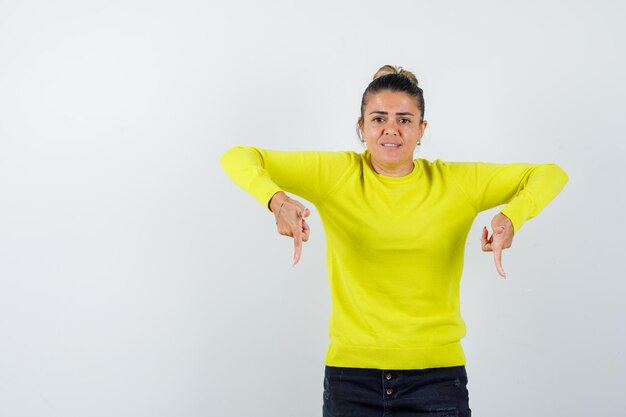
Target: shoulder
point(348, 156)
point(334, 160)
point(300, 157)
point(442, 165)
point(460, 167)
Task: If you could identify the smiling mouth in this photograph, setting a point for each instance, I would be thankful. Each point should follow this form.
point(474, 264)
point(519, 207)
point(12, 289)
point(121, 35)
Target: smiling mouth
point(391, 145)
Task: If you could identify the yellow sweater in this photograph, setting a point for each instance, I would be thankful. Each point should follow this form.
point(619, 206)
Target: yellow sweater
point(395, 245)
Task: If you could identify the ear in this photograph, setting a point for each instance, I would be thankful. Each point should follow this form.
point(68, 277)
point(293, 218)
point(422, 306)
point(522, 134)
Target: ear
point(423, 127)
point(359, 132)
point(359, 127)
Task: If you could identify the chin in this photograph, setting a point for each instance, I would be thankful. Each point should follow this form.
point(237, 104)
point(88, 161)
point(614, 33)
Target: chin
point(395, 159)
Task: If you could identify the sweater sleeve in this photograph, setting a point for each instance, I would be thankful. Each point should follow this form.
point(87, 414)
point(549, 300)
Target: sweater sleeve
point(525, 188)
point(308, 174)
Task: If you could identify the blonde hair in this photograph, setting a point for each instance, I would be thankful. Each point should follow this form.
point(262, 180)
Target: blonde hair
point(392, 69)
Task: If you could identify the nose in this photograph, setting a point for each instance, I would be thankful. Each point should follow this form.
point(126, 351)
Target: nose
point(391, 128)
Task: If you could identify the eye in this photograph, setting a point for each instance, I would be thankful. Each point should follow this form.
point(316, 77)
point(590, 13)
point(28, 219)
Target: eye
point(378, 119)
point(405, 121)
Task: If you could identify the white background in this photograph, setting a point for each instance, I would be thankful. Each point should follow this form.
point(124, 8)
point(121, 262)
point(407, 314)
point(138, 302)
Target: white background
point(137, 280)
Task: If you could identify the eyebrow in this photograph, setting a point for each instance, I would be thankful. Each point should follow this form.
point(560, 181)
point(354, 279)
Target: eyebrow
point(406, 113)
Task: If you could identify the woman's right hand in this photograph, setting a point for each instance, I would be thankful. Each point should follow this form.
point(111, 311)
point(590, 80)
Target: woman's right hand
point(290, 221)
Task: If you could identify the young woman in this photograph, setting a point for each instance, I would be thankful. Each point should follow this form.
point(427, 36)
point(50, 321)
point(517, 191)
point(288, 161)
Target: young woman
point(396, 229)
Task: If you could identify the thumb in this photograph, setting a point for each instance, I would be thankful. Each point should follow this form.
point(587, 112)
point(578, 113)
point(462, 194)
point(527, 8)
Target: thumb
point(499, 229)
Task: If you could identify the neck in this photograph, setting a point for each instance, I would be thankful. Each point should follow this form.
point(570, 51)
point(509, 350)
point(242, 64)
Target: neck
point(393, 171)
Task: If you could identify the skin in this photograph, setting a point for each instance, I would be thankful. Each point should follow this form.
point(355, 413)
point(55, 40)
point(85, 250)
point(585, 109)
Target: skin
point(391, 128)
point(290, 217)
point(392, 118)
point(501, 238)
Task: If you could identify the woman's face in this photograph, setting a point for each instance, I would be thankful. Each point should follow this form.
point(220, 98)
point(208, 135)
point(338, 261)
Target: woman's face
point(391, 129)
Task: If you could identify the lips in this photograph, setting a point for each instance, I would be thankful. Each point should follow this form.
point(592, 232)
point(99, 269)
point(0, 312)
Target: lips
point(391, 145)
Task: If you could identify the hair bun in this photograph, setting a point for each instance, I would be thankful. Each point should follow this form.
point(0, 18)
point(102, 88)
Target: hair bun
point(392, 69)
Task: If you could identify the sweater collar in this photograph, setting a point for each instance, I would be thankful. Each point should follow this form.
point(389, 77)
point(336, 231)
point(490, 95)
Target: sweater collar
point(387, 179)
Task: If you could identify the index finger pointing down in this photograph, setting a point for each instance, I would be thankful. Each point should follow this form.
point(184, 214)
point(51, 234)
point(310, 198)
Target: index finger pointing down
point(297, 243)
point(497, 256)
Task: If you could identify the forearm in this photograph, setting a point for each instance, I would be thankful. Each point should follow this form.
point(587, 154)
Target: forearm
point(245, 167)
point(308, 174)
point(543, 184)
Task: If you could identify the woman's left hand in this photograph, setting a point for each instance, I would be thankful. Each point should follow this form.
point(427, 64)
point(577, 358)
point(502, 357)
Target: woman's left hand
point(501, 238)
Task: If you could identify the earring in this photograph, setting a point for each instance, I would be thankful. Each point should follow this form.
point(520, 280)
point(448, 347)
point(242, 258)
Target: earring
point(358, 132)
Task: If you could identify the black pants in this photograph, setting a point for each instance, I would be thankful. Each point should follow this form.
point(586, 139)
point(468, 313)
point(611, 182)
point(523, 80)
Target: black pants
point(434, 392)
